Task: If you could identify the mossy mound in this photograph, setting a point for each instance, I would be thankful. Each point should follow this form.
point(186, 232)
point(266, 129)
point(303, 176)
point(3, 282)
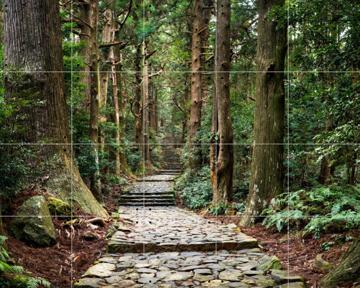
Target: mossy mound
point(33, 223)
point(58, 207)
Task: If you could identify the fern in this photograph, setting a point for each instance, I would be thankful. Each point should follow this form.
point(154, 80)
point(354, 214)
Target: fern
point(320, 210)
point(17, 276)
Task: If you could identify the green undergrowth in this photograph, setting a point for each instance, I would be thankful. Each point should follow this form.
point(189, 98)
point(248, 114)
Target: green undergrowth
point(194, 189)
point(195, 192)
point(319, 210)
point(15, 276)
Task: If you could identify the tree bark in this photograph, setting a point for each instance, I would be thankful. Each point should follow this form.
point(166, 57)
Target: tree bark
point(267, 161)
point(198, 81)
point(145, 106)
point(223, 158)
point(33, 50)
point(95, 90)
point(137, 101)
point(347, 272)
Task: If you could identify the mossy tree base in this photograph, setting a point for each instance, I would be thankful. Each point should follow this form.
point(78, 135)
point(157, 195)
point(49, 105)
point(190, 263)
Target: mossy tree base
point(66, 183)
point(348, 271)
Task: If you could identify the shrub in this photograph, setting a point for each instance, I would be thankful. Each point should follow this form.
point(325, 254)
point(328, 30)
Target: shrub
point(319, 210)
point(195, 189)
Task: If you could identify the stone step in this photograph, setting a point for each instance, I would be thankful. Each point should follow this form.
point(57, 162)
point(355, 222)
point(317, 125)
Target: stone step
point(129, 199)
point(147, 204)
point(156, 180)
point(141, 193)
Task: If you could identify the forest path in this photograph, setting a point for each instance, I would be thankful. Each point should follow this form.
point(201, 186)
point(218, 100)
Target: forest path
point(173, 247)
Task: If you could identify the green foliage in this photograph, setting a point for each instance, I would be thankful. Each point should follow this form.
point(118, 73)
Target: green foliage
point(319, 210)
point(116, 180)
point(195, 189)
point(219, 209)
point(14, 168)
point(15, 275)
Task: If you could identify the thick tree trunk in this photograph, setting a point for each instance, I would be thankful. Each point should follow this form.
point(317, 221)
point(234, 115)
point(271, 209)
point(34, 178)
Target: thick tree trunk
point(347, 272)
point(198, 83)
point(33, 50)
point(224, 159)
point(145, 104)
point(115, 60)
point(91, 78)
point(267, 160)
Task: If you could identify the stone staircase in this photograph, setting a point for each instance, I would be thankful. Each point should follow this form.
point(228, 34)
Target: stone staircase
point(155, 190)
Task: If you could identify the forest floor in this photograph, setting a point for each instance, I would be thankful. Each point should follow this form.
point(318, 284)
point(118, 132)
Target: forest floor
point(294, 251)
point(74, 254)
point(74, 251)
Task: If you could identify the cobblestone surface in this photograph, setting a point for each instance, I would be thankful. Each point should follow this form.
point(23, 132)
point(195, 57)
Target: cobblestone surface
point(186, 269)
point(175, 229)
point(172, 247)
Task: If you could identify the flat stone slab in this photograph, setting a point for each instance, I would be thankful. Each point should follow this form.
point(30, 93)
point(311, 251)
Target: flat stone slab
point(183, 269)
point(153, 187)
point(174, 229)
point(158, 178)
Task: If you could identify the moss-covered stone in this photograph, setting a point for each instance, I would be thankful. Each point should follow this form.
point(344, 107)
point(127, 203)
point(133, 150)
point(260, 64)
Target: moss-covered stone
point(322, 265)
point(33, 223)
point(269, 262)
point(58, 207)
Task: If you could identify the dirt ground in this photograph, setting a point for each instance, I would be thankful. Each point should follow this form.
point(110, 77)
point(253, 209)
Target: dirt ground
point(80, 244)
point(295, 252)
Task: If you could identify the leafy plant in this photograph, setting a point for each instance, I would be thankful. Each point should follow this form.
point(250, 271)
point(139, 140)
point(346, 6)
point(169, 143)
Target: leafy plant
point(319, 210)
point(195, 189)
point(16, 276)
point(219, 209)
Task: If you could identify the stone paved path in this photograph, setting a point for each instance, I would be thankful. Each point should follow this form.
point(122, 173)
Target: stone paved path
point(172, 247)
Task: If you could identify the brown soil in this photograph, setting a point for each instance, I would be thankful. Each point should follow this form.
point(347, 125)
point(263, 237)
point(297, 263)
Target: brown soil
point(67, 259)
point(74, 251)
point(296, 253)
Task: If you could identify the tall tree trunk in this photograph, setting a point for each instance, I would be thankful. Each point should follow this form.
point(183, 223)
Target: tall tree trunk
point(33, 48)
point(198, 83)
point(145, 105)
point(347, 272)
point(138, 96)
point(122, 117)
point(114, 58)
point(95, 90)
point(267, 171)
point(223, 158)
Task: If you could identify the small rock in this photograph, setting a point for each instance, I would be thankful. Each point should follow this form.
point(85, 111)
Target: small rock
point(178, 276)
point(146, 270)
point(125, 284)
point(101, 270)
point(38, 229)
point(203, 271)
point(322, 265)
point(281, 277)
point(293, 285)
point(231, 275)
point(203, 278)
point(268, 262)
point(89, 283)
